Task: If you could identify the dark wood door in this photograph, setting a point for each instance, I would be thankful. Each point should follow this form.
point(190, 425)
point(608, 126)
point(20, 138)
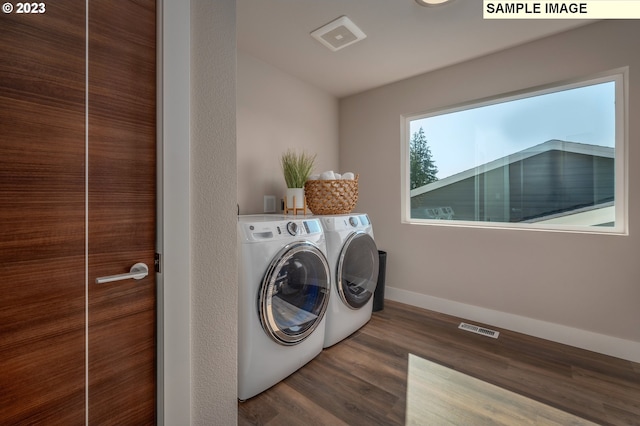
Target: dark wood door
point(122, 210)
point(42, 197)
point(77, 202)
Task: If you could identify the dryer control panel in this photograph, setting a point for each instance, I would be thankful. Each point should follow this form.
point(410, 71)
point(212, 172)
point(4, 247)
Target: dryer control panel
point(346, 222)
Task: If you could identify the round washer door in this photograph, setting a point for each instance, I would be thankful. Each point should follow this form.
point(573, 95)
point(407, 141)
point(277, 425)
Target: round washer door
point(357, 270)
point(294, 293)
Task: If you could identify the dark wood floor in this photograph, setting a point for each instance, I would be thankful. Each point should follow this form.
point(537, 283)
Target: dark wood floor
point(363, 379)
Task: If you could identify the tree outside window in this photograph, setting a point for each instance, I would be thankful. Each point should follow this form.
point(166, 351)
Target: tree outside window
point(423, 168)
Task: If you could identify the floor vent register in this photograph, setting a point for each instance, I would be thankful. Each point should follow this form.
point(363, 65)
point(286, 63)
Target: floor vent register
point(479, 330)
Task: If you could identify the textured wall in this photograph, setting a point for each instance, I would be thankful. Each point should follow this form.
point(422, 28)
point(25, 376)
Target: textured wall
point(213, 213)
point(579, 281)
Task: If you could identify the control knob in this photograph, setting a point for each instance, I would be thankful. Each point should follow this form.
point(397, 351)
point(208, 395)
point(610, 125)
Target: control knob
point(292, 227)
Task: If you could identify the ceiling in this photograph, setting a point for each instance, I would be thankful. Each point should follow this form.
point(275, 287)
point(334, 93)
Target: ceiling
point(403, 38)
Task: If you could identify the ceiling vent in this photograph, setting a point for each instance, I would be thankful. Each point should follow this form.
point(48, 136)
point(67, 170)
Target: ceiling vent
point(338, 34)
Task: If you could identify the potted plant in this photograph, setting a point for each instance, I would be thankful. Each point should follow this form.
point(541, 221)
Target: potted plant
point(296, 168)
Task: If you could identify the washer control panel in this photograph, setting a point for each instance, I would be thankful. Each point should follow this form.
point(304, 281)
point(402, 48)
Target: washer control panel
point(279, 229)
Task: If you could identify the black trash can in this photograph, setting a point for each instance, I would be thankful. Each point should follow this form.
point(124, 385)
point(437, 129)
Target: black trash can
point(378, 295)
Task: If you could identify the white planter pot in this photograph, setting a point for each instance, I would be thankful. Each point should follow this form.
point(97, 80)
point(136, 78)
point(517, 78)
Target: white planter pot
point(298, 193)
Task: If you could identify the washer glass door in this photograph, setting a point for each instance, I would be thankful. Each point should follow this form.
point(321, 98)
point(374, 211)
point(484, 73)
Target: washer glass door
point(294, 293)
point(357, 270)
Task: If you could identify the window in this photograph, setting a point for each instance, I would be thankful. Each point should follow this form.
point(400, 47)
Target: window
point(549, 158)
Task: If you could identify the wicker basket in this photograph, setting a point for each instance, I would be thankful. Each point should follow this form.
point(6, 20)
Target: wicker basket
point(331, 196)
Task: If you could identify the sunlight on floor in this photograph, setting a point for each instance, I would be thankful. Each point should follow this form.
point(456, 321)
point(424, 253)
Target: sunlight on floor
point(437, 395)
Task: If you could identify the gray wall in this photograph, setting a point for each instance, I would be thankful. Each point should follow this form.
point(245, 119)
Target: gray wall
point(579, 288)
point(276, 112)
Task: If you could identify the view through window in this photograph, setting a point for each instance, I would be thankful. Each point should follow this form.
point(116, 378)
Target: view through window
point(543, 159)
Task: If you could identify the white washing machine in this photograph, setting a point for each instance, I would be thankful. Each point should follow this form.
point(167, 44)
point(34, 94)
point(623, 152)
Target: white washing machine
point(283, 294)
point(353, 258)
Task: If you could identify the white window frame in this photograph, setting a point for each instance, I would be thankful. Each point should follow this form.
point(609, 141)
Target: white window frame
point(619, 76)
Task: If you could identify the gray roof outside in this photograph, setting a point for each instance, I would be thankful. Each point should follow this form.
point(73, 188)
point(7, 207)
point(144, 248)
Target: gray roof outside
point(550, 145)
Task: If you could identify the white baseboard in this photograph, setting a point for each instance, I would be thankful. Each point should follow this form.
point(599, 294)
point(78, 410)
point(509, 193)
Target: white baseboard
point(613, 346)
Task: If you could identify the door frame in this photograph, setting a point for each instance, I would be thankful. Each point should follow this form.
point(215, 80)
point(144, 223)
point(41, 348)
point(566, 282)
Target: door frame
point(173, 211)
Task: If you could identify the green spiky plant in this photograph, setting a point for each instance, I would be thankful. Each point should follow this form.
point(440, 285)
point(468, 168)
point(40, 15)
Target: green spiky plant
point(296, 168)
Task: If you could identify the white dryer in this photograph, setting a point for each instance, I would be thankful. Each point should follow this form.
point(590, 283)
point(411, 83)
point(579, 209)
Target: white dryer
point(353, 258)
point(283, 294)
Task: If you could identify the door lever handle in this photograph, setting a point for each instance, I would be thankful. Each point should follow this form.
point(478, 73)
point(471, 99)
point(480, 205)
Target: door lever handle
point(137, 272)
